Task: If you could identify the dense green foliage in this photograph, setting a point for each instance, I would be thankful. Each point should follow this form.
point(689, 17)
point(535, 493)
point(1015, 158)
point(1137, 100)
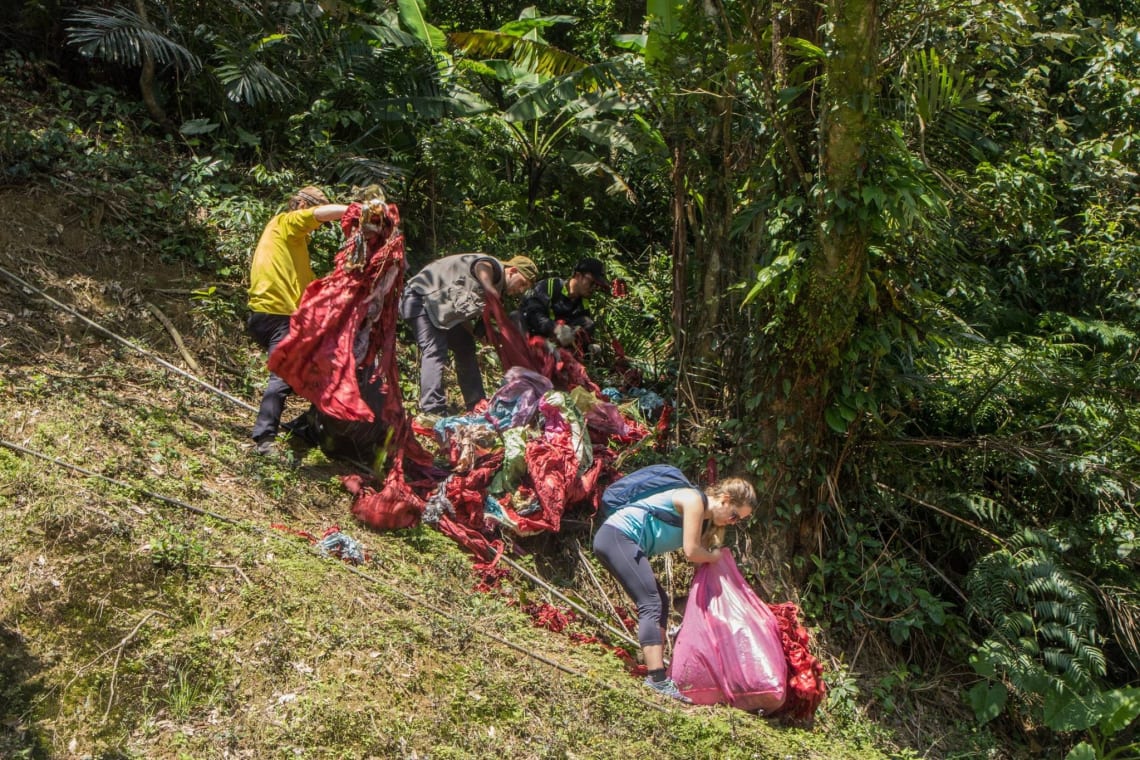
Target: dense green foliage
point(922, 342)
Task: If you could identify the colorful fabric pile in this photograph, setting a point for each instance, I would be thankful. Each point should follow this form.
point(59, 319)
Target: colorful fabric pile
point(538, 449)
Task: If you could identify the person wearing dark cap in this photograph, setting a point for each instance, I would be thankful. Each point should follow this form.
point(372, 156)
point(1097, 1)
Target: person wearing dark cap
point(277, 277)
point(441, 302)
point(558, 309)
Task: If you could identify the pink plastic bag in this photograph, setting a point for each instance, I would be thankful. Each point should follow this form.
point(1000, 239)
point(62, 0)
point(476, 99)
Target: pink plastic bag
point(729, 650)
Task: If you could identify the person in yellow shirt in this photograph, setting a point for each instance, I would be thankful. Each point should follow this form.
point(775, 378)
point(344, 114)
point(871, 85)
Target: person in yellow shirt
point(277, 278)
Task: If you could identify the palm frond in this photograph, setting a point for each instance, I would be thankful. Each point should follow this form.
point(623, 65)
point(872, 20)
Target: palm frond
point(363, 171)
point(936, 98)
point(249, 80)
point(121, 36)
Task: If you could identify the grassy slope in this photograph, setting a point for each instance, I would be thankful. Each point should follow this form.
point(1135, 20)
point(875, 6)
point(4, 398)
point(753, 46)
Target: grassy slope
point(130, 627)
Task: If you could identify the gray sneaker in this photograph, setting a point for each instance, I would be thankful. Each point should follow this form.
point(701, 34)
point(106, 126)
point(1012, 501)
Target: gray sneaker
point(668, 688)
point(265, 447)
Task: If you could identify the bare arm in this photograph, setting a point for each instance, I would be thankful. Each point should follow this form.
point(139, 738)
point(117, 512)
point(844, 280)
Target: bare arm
point(329, 212)
point(486, 274)
point(692, 509)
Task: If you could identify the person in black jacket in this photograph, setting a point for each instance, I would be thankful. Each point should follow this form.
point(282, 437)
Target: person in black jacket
point(557, 309)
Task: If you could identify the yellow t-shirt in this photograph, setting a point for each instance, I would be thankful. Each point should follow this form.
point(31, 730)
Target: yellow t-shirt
point(281, 268)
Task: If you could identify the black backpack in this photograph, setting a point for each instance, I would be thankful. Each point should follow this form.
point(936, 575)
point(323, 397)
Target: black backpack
point(654, 479)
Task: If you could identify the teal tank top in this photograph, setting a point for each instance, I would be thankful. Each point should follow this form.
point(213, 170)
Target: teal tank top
point(653, 536)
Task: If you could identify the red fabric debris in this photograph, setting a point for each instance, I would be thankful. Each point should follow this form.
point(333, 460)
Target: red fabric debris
point(711, 472)
point(317, 358)
point(295, 531)
point(553, 469)
point(393, 507)
point(466, 491)
point(663, 426)
point(508, 340)
point(806, 688)
point(546, 615)
point(634, 667)
point(630, 375)
point(486, 550)
point(515, 350)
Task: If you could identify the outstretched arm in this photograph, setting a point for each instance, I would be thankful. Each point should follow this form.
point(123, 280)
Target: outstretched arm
point(329, 212)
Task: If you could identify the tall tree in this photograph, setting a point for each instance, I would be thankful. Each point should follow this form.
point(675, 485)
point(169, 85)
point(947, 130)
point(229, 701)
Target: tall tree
point(815, 131)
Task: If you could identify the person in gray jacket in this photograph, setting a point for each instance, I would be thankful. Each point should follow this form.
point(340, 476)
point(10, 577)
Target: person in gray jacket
point(441, 302)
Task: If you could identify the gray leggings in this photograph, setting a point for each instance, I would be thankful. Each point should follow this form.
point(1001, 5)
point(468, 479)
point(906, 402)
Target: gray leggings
point(624, 558)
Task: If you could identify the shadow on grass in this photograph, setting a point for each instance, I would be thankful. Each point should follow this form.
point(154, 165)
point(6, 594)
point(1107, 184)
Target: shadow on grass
point(18, 689)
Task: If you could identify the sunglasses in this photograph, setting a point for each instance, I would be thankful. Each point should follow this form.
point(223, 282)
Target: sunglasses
point(736, 518)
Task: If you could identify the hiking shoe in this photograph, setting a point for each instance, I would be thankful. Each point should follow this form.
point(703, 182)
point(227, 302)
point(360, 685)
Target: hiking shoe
point(668, 688)
point(265, 447)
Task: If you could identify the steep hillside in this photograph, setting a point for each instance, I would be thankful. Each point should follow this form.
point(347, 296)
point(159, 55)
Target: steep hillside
point(158, 601)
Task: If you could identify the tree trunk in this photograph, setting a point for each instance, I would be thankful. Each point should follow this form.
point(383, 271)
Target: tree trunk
point(780, 387)
point(146, 78)
point(830, 303)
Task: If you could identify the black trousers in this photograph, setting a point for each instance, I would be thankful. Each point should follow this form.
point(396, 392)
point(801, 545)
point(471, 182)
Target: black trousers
point(267, 330)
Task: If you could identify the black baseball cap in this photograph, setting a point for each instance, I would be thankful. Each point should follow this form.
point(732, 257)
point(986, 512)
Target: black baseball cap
point(596, 269)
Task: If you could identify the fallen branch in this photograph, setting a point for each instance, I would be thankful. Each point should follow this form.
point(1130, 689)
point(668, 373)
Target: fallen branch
point(236, 569)
point(175, 335)
point(621, 635)
point(119, 654)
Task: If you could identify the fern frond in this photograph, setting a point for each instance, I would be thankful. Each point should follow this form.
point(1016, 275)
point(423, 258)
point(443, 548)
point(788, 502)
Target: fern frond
point(1048, 617)
point(985, 509)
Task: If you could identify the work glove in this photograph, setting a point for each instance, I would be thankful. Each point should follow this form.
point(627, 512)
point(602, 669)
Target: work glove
point(564, 335)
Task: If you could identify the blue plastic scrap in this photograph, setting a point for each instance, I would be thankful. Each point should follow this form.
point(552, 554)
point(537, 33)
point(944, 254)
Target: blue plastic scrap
point(343, 546)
